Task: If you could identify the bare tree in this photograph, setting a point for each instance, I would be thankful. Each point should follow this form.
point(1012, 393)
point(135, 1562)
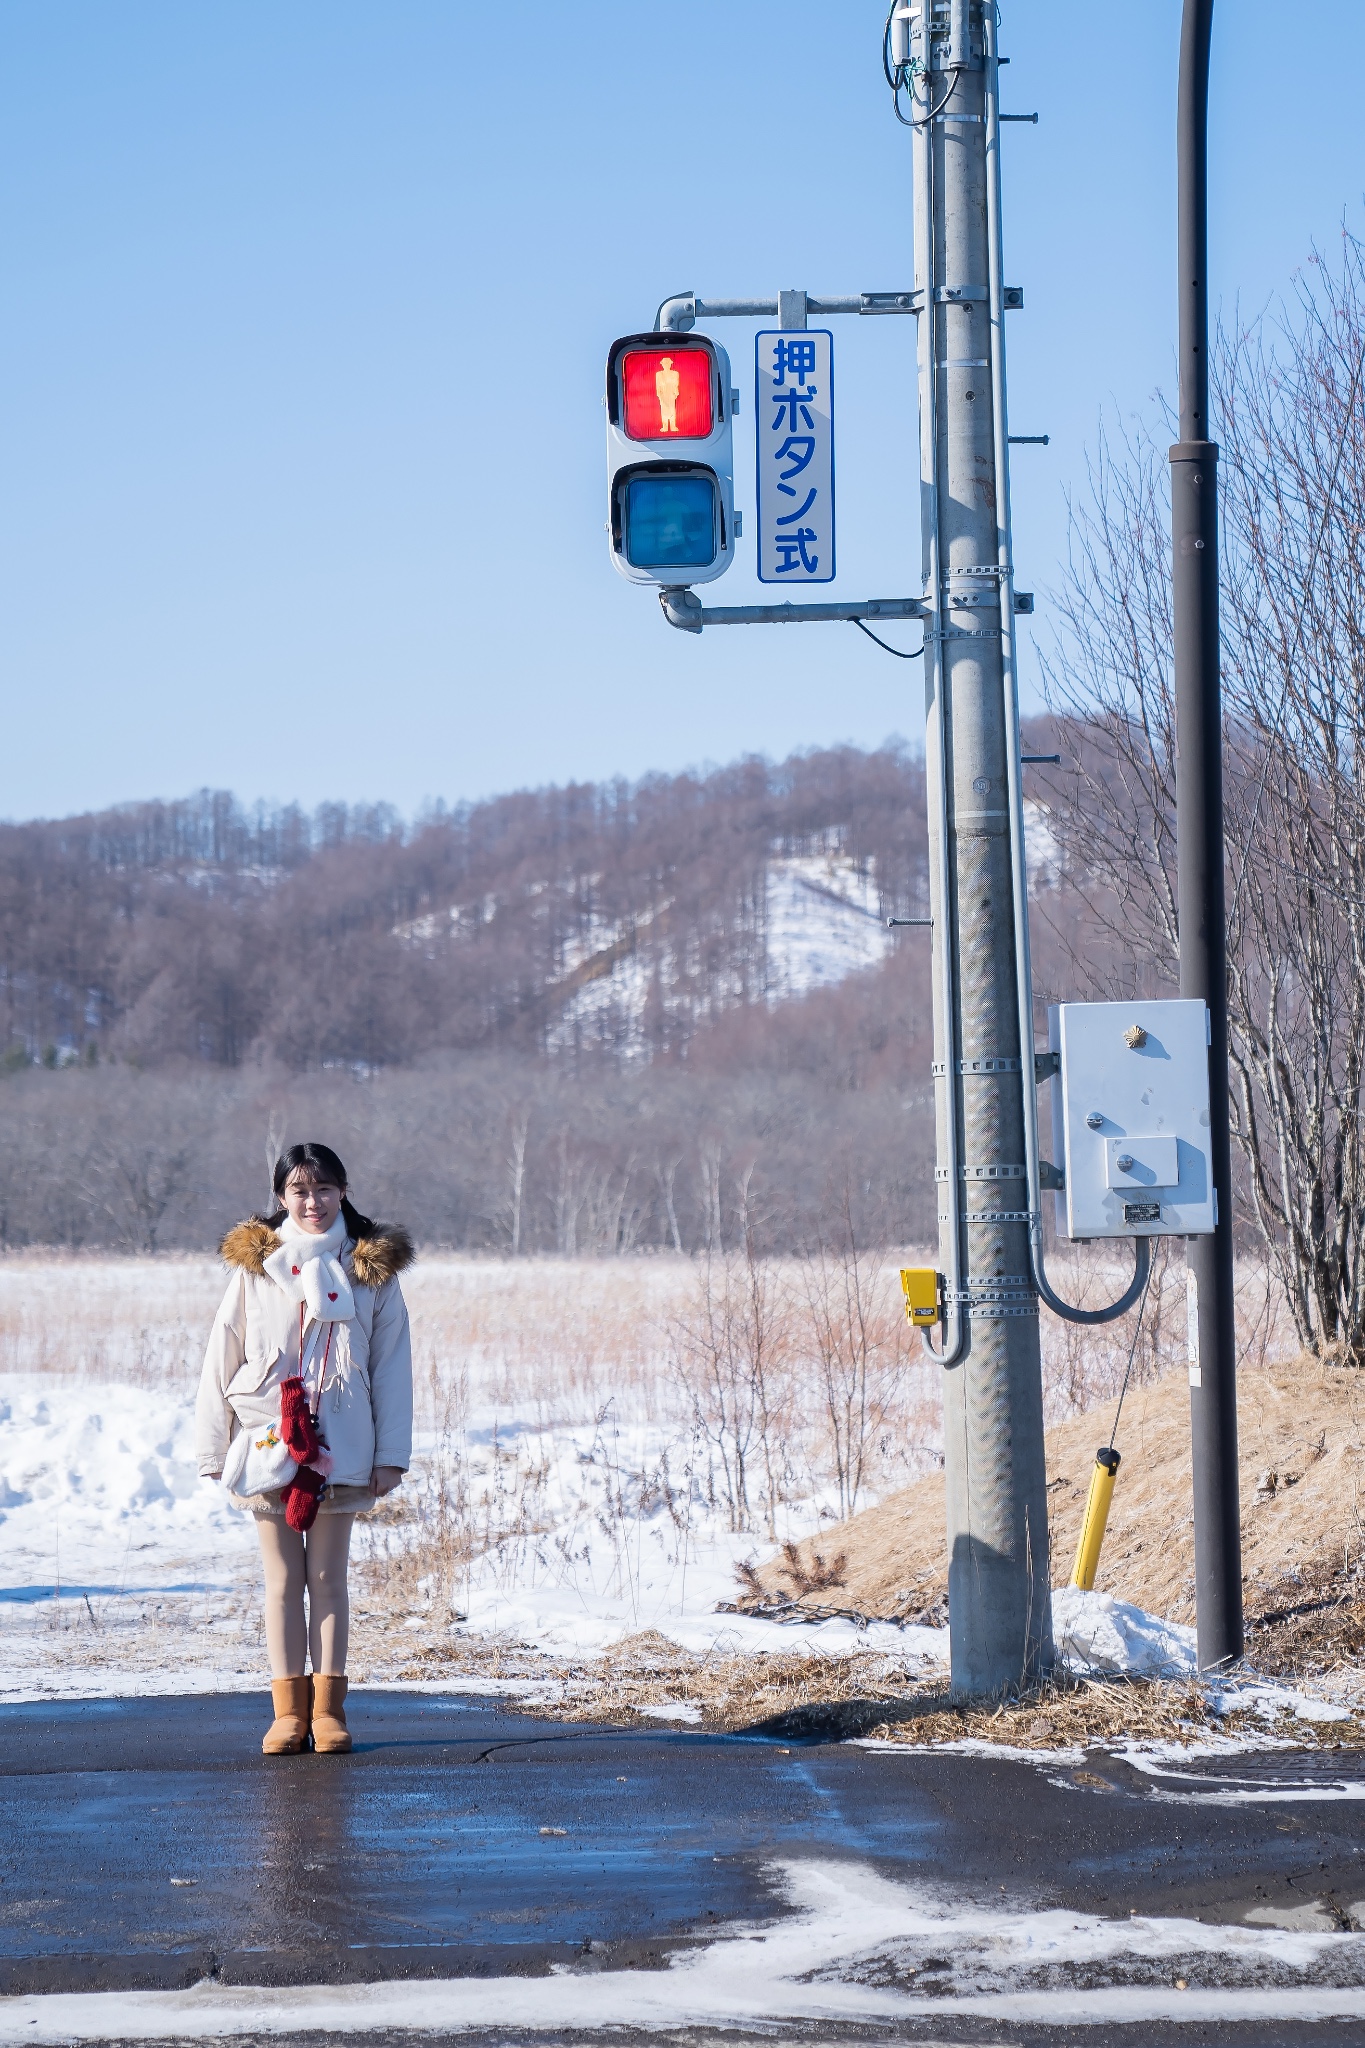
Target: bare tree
point(1291, 424)
point(860, 1349)
point(516, 1173)
point(666, 1174)
point(729, 1352)
point(713, 1235)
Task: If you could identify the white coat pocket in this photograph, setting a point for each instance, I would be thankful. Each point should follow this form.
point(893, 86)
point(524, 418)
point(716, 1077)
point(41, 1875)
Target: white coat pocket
point(253, 1375)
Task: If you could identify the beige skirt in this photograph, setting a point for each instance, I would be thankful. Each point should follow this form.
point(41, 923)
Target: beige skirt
point(338, 1500)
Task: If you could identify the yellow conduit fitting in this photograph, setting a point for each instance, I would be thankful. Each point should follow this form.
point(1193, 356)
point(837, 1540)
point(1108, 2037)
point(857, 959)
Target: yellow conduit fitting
point(1096, 1517)
point(920, 1285)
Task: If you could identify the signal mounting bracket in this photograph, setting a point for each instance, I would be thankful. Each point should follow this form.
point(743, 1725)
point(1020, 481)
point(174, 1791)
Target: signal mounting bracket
point(681, 312)
point(684, 609)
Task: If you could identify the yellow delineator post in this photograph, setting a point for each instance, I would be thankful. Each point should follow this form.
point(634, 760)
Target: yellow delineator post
point(1107, 1463)
point(920, 1285)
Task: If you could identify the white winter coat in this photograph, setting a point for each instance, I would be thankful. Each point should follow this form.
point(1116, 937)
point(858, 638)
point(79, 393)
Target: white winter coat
point(366, 1410)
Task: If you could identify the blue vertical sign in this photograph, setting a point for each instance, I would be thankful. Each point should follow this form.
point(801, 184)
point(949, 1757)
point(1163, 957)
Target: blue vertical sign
point(794, 436)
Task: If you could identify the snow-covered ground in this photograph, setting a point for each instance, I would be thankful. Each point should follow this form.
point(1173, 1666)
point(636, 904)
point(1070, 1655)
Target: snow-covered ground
point(121, 1571)
point(619, 1534)
point(565, 1490)
point(607, 1535)
point(595, 1532)
point(566, 1494)
point(99, 1496)
point(1095, 1632)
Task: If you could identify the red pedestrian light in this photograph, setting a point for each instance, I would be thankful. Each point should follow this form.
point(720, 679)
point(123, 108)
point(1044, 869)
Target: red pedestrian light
point(667, 394)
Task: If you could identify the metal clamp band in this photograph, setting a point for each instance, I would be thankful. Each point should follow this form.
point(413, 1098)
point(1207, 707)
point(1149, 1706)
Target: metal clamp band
point(1007, 1283)
point(984, 1173)
point(991, 1066)
point(1009, 1288)
point(994, 1311)
point(994, 1216)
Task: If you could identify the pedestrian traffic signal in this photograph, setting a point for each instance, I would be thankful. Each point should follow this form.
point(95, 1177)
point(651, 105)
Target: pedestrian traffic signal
point(670, 465)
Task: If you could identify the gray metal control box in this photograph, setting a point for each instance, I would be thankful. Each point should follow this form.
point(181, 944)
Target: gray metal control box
point(1130, 1119)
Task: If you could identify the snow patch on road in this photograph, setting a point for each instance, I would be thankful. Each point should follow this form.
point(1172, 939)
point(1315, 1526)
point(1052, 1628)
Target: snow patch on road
point(854, 1947)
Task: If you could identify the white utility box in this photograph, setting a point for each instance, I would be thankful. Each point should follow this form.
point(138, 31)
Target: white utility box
point(1130, 1119)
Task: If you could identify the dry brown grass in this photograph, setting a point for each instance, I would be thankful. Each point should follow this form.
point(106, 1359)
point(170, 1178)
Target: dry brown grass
point(138, 1322)
point(1302, 1421)
point(865, 1694)
point(1086, 1712)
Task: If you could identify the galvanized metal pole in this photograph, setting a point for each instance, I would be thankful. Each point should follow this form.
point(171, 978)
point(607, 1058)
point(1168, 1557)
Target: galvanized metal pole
point(1000, 1609)
point(1199, 841)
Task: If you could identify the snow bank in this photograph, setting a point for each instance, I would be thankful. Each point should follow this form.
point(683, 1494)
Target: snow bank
point(1096, 1633)
point(99, 1493)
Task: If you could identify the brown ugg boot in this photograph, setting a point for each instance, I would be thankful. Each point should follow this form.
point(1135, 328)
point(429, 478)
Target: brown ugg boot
point(288, 1732)
point(331, 1736)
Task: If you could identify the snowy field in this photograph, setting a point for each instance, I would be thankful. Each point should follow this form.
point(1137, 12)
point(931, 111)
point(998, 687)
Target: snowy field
point(593, 1460)
point(597, 1455)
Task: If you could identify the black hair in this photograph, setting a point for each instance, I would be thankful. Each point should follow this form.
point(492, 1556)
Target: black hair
point(317, 1162)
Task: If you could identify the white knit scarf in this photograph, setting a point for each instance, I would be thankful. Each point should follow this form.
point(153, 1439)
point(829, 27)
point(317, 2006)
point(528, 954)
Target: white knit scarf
point(308, 1269)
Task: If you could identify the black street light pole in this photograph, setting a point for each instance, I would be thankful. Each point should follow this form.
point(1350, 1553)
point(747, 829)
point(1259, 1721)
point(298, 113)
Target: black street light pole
point(1199, 840)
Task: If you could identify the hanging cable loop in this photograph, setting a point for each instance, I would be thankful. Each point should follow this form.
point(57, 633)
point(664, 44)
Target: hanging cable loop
point(1142, 1266)
point(901, 653)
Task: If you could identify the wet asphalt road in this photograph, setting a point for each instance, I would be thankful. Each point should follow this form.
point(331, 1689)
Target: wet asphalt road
point(426, 1852)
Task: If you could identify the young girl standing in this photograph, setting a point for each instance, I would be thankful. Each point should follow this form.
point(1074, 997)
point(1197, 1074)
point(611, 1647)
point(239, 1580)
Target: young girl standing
point(305, 1411)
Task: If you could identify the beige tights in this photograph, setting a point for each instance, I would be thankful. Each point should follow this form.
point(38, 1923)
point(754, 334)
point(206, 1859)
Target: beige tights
point(318, 1562)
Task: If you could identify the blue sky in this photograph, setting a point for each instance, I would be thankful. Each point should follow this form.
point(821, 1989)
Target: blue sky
point(301, 466)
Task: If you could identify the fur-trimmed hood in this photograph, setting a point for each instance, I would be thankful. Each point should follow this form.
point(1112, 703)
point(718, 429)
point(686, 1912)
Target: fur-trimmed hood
point(371, 1260)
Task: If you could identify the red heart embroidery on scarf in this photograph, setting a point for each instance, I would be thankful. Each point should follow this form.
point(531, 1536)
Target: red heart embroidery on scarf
point(331, 1297)
point(294, 1270)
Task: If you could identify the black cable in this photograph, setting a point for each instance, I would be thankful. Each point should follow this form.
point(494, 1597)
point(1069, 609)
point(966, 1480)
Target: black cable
point(1132, 1354)
point(896, 79)
point(1142, 1266)
point(892, 77)
point(885, 645)
point(933, 112)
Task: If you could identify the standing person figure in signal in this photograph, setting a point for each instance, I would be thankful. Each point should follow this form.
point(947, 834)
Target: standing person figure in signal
point(305, 1413)
point(667, 385)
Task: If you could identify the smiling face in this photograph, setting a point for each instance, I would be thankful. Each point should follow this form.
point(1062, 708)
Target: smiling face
point(313, 1204)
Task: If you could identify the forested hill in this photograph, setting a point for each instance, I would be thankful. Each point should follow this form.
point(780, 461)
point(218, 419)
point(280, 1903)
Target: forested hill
point(619, 917)
point(598, 1018)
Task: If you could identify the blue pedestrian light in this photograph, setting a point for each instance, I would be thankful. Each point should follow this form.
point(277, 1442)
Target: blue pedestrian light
point(670, 521)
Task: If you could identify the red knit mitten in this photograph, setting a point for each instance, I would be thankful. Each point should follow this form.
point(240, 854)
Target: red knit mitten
point(300, 1499)
point(297, 1433)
